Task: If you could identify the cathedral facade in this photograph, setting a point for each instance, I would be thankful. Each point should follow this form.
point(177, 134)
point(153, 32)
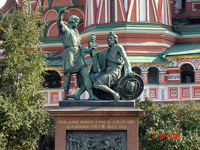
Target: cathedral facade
point(160, 37)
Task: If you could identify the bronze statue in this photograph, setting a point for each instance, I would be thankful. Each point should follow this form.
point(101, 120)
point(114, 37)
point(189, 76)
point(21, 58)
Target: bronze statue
point(73, 59)
point(111, 62)
point(115, 80)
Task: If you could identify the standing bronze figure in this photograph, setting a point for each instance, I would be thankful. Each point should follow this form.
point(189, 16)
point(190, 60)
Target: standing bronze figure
point(73, 59)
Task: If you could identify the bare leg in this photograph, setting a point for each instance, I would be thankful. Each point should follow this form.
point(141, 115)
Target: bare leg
point(88, 83)
point(99, 84)
point(66, 85)
point(107, 89)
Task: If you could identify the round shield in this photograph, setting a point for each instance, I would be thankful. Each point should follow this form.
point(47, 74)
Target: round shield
point(130, 88)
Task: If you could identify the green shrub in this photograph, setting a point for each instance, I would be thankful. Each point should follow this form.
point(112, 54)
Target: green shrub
point(169, 126)
point(22, 116)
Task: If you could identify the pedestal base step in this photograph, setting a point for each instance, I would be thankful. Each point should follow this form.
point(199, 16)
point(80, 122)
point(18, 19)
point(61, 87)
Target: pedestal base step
point(97, 103)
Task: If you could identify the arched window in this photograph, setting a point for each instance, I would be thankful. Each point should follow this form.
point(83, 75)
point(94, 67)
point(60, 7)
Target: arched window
point(52, 79)
point(153, 75)
point(187, 74)
point(136, 70)
point(112, 11)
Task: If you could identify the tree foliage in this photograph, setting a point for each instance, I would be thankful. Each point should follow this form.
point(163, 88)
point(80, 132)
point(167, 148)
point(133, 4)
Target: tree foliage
point(22, 115)
point(169, 126)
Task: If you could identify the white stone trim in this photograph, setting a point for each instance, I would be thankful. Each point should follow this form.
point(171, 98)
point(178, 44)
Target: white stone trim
point(146, 44)
point(78, 10)
point(44, 18)
point(169, 15)
point(154, 9)
point(193, 9)
point(126, 5)
point(80, 24)
point(186, 62)
point(100, 11)
point(138, 44)
point(137, 11)
point(92, 13)
point(50, 28)
point(173, 79)
point(144, 52)
point(133, 30)
point(86, 11)
point(142, 10)
point(130, 10)
point(188, 36)
point(97, 1)
point(51, 45)
point(115, 10)
point(148, 15)
point(106, 11)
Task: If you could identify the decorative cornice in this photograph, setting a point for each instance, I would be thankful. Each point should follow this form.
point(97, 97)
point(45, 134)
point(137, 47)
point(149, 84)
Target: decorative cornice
point(52, 44)
point(136, 29)
point(188, 36)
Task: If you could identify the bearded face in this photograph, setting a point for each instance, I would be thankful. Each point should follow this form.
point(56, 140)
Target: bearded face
point(75, 23)
point(111, 41)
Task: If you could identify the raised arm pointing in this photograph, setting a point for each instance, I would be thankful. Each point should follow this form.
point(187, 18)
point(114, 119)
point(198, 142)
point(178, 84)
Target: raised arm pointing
point(59, 18)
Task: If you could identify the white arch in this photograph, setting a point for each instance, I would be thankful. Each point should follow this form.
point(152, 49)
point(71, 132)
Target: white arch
point(78, 10)
point(49, 12)
point(182, 76)
point(158, 75)
point(186, 62)
point(52, 26)
point(154, 67)
point(80, 24)
point(59, 74)
point(53, 3)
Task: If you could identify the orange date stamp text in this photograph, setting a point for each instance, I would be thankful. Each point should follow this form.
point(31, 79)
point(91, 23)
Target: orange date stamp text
point(169, 136)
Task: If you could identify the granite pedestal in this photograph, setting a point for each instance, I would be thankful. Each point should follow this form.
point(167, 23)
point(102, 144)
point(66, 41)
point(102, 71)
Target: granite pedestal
point(96, 125)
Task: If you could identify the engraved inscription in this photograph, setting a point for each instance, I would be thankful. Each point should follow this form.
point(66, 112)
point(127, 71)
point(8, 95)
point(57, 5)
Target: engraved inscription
point(96, 124)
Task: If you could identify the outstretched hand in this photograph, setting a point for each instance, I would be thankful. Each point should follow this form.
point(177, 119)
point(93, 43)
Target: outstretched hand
point(131, 74)
point(63, 10)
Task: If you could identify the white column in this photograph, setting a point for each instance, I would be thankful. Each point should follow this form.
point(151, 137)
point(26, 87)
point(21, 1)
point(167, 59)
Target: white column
point(142, 10)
